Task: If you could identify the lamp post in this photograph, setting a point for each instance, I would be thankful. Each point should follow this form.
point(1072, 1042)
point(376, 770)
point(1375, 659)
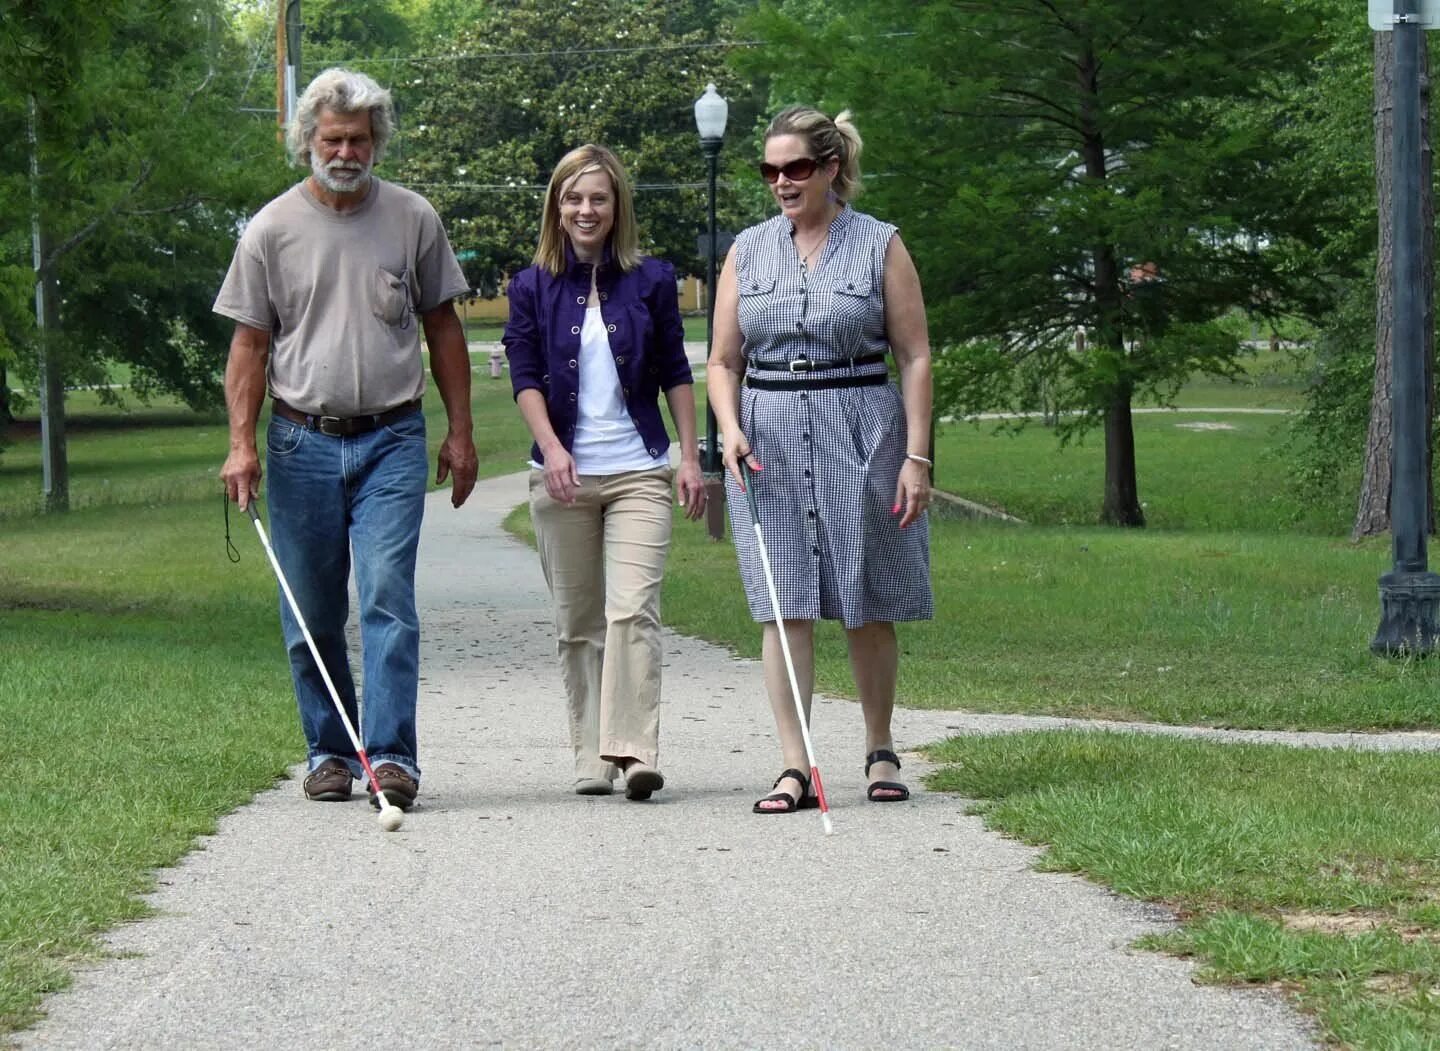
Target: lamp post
point(710, 114)
point(1409, 593)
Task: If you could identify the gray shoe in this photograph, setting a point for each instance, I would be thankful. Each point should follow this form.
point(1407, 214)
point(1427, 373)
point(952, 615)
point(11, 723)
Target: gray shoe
point(594, 786)
point(641, 779)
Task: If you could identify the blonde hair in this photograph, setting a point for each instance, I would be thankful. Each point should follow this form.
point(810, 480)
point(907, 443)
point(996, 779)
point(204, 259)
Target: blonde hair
point(825, 138)
point(624, 240)
point(341, 91)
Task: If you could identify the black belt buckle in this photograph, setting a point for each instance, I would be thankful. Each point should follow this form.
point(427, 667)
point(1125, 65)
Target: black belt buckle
point(801, 365)
point(334, 426)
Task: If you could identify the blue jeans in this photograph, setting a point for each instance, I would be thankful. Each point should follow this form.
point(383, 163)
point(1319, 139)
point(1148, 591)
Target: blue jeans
point(330, 497)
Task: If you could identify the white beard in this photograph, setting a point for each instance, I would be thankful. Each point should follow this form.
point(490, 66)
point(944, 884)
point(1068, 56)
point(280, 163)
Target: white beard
point(340, 176)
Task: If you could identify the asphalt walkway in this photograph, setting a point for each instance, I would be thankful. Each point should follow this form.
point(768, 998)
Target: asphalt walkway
point(509, 912)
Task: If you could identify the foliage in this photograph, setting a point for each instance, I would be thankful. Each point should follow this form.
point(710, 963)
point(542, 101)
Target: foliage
point(1327, 443)
point(144, 174)
point(1056, 167)
point(1334, 125)
point(337, 30)
point(486, 121)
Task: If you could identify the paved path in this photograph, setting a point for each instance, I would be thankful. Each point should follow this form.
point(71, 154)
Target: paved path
point(509, 912)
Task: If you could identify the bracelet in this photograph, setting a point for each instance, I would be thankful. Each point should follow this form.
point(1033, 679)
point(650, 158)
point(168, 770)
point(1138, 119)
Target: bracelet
point(920, 459)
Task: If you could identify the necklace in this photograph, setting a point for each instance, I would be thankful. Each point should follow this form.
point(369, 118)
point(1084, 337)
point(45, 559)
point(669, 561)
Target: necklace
point(805, 256)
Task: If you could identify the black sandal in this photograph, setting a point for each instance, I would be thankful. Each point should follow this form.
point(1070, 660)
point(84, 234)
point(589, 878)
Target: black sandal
point(805, 802)
point(884, 755)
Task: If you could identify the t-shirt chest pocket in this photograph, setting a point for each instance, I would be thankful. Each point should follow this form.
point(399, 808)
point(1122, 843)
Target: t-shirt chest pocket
point(390, 297)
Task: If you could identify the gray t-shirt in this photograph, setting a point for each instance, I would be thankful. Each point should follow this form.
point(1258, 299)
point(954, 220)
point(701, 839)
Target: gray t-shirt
point(339, 294)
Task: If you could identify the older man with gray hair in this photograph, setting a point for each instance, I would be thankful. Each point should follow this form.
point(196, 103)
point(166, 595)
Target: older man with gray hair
point(329, 288)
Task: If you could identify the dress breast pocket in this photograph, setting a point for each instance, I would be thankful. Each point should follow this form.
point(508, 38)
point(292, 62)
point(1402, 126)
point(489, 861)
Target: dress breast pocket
point(756, 294)
point(390, 298)
point(851, 302)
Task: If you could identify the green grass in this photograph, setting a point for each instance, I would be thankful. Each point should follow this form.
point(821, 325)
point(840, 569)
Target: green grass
point(1226, 630)
point(128, 731)
point(1314, 872)
point(1198, 472)
point(1266, 380)
point(160, 453)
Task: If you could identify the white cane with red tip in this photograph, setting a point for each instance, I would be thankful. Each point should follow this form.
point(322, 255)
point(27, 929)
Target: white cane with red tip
point(391, 815)
point(748, 480)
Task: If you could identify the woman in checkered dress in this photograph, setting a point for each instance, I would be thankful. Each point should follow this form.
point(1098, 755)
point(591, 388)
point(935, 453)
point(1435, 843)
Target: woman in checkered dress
point(806, 309)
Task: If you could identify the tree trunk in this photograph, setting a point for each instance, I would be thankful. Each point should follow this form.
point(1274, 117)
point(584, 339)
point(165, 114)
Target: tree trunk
point(6, 416)
point(1121, 505)
point(1372, 514)
point(1122, 499)
point(54, 463)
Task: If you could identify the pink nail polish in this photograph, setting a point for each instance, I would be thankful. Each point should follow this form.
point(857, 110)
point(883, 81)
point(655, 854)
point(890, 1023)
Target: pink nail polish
point(895, 510)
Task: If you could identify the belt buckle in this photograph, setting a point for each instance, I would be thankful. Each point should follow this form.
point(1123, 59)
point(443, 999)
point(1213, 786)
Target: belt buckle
point(330, 425)
point(801, 365)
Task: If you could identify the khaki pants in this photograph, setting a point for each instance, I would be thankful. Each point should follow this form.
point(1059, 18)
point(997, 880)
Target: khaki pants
point(604, 557)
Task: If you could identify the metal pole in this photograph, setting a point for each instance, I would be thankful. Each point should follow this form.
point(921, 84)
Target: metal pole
point(293, 26)
point(1409, 593)
point(713, 465)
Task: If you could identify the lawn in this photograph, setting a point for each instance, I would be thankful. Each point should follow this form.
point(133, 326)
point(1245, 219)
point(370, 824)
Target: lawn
point(162, 452)
point(1208, 629)
point(128, 731)
point(1195, 471)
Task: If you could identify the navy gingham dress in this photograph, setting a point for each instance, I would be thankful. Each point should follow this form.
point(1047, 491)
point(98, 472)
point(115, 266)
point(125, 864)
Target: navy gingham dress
point(830, 457)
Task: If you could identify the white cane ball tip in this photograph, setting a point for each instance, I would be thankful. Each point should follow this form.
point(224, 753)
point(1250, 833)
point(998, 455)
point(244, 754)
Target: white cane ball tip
point(391, 818)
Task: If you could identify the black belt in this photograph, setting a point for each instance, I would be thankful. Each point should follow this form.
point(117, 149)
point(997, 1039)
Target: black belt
point(804, 364)
point(875, 380)
point(344, 426)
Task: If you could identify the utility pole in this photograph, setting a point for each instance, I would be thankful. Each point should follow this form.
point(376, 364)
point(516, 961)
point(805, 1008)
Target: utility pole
point(54, 469)
point(281, 110)
point(287, 59)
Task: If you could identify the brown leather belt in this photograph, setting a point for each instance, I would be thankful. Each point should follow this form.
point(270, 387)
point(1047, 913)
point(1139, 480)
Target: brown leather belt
point(344, 426)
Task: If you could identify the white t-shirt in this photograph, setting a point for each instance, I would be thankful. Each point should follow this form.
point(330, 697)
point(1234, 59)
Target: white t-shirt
point(606, 441)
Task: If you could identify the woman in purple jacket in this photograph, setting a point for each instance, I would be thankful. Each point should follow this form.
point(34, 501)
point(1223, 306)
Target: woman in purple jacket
point(594, 336)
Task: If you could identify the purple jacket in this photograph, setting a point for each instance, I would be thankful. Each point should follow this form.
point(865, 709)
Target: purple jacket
point(641, 311)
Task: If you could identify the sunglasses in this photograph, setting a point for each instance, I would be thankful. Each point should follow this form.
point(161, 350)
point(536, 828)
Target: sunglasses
point(797, 170)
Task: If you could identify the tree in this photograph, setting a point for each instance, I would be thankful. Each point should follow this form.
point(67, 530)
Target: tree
point(136, 178)
point(1060, 166)
point(483, 125)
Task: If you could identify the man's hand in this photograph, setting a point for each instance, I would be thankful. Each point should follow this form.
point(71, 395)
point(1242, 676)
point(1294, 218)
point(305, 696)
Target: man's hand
point(457, 462)
point(450, 366)
point(241, 475)
point(244, 394)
